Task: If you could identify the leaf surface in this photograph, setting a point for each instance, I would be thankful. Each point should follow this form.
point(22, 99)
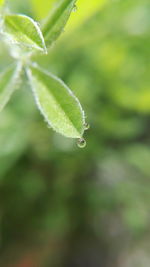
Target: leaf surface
point(56, 21)
point(24, 31)
point(60, 108)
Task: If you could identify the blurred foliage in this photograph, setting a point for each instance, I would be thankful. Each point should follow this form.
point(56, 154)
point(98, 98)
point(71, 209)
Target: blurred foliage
point(62, 206)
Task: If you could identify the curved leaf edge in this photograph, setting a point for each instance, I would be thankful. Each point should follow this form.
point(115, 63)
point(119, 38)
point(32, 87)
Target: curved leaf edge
point(36, 25)
point(29, 75)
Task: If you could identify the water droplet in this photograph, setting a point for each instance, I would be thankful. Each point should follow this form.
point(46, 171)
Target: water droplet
point(74, 8)
point(86, 126)
point(81, 143)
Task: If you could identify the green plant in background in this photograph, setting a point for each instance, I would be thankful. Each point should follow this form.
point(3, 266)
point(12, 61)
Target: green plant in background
point(87, 207)
point(60, 108)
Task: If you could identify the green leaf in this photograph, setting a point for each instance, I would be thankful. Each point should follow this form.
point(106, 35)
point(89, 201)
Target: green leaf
point(24, 31)
point(60, 108)
point(57, 20)
point(9, 80)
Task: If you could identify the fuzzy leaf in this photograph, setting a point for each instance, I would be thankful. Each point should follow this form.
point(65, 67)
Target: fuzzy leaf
point(24, 31)
point(9, 83)
point(60, 108)
point(57, 20)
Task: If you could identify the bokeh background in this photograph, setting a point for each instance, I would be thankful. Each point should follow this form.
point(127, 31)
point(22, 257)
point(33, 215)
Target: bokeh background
point(62, 206)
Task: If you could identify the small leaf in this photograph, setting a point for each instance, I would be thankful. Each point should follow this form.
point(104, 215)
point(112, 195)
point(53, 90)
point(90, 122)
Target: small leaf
point(9, 80)
point(60, 108)
point(24, 31)
point(57, 20)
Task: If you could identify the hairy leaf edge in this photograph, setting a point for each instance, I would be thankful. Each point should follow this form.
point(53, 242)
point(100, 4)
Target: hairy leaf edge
point(39, 31)
point(29, 74)
point(45, 26)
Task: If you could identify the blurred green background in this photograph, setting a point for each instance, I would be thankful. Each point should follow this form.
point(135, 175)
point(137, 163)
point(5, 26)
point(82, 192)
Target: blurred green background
point(62, 206)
